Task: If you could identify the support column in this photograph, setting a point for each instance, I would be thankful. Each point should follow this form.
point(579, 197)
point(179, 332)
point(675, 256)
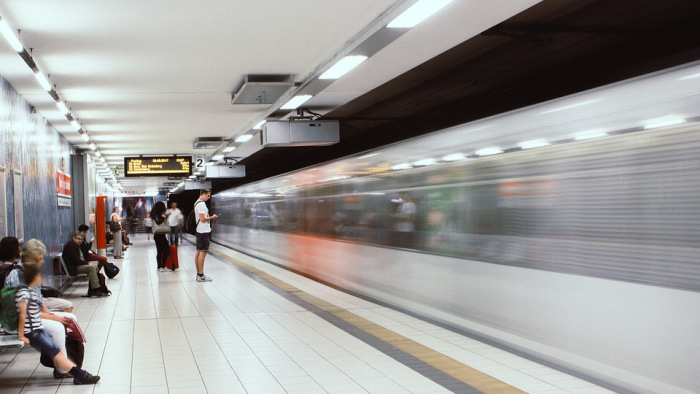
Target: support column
point(100, 228)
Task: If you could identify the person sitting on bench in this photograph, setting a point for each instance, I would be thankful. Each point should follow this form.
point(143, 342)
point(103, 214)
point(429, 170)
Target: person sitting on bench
point(76, 264)
point(86, 247)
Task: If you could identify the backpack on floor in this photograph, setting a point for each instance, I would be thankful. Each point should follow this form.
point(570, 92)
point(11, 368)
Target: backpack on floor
point(111, 270)
point(192, 222)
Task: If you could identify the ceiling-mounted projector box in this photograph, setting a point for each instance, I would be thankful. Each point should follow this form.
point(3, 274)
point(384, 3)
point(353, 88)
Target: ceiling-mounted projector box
point(300, 133)
point(237, 171)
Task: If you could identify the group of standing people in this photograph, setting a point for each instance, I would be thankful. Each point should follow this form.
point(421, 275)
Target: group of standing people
point(171, 222)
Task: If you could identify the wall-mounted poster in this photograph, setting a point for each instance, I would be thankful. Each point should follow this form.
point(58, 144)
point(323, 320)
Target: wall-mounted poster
point(18, 200)
point(3, 204)
point(63, 186)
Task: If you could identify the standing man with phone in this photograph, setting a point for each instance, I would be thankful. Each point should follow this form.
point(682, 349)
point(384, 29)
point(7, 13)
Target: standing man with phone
point(203, 233)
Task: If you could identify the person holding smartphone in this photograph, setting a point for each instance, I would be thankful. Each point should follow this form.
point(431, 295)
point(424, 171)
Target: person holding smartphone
point(203, 233)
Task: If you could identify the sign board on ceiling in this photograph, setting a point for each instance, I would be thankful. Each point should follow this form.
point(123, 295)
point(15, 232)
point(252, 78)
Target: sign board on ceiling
point(158, 166)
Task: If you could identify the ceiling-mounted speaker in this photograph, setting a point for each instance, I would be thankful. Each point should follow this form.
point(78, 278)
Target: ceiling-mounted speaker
point(208, 142)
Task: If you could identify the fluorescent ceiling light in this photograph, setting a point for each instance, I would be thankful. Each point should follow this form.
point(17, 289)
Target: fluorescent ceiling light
point(211, 163)
point(343, 66)
point(93, 146)
point(425, 162)
point(259, 125)
point(690, 77)
point(489, 151)
point(669, 120)
point(297, 101)
point(85, 136)
point(217, 157)
point(244, 138)
point(418, 13)
point(570, 106)
point(62, 107)
point(402, 166)
point(229, 149)
point(98, 154)
point(454, 157)
point(10, 36)
point(43, 81)
point(76, 124)
point(533, 144)
point(366, 156)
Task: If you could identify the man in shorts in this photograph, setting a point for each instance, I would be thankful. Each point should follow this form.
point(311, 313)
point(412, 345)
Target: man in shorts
point(203, 233)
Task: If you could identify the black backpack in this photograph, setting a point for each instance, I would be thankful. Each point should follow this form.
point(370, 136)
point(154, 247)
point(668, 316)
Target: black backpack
point(192, 222)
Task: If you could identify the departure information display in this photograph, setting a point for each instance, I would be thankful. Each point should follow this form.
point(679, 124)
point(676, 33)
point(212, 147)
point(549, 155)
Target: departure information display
point(158, 166)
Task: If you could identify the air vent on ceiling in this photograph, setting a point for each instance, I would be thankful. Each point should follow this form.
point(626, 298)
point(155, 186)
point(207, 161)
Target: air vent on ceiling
point(262, 89)
point(208, 142)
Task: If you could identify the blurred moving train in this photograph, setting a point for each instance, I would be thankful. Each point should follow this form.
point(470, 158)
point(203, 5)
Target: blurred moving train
point(568, 231)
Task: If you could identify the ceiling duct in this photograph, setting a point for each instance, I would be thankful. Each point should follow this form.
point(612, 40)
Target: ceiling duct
point(208, 142)
point(262, 89)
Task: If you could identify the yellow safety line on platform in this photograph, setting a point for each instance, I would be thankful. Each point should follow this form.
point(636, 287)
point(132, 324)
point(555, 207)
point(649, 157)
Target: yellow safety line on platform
point(437, 360)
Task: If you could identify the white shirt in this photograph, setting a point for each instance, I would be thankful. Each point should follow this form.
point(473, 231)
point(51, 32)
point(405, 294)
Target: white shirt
point(201, 207)
point(406, 211)
point(174, 217)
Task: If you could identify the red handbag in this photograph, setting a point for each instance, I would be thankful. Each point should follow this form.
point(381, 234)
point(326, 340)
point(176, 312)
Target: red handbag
point(74, 331)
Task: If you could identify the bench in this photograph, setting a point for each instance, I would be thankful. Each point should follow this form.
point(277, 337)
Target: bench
point(9, 341)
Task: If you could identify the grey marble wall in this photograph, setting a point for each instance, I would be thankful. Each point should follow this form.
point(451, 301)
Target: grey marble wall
point(31, 145)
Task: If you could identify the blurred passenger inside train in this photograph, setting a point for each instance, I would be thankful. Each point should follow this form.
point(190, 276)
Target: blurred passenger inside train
point(405, 221)
point(160, 229)
point(76, 264)
point(86, 248)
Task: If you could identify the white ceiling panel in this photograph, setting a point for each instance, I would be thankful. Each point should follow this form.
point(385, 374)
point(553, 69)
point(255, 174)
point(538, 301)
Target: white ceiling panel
point(148, 77)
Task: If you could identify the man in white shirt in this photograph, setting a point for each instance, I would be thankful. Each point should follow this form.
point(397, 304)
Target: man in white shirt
point(175, 219)
point(203, 233)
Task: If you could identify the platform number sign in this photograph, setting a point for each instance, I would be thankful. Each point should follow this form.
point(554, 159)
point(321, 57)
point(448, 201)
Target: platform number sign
point(199, 163)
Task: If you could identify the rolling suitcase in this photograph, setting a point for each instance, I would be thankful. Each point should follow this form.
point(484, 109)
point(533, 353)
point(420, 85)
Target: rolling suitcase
point(172, 263)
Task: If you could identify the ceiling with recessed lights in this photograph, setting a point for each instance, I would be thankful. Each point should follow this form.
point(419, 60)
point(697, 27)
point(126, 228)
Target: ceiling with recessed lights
point(148, 78)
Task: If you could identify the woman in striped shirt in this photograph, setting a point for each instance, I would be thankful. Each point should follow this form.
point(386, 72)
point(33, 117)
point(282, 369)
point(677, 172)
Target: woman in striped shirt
point(31, 330)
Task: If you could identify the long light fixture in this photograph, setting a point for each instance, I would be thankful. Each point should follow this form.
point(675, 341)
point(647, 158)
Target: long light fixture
point(229, 149)
point(343, 67)
point(62, 107)
point(259, 125)
point(85, 137)
point(297, 101)
point(10, 36)
point(43, 81)
point(417, 13)
point(217, 157)
point(244, 138)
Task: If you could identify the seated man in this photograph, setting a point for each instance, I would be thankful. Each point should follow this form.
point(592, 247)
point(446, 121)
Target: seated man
point(76, 264)
point(85, 248)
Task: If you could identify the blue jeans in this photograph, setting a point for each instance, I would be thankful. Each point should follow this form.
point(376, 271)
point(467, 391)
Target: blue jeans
point(40, 341)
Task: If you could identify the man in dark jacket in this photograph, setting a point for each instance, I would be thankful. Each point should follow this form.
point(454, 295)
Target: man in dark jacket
point(86, 247)
point(76, 264)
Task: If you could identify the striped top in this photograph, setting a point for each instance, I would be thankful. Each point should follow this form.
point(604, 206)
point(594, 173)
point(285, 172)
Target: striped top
point(33, 320)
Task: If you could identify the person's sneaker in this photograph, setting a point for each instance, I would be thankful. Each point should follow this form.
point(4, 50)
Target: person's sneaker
point(58, 375)
point(161, 269)
point(87, 378)
point(203, 278)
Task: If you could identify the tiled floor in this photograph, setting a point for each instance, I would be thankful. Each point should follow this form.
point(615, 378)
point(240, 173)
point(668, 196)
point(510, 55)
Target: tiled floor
point(162, 332)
